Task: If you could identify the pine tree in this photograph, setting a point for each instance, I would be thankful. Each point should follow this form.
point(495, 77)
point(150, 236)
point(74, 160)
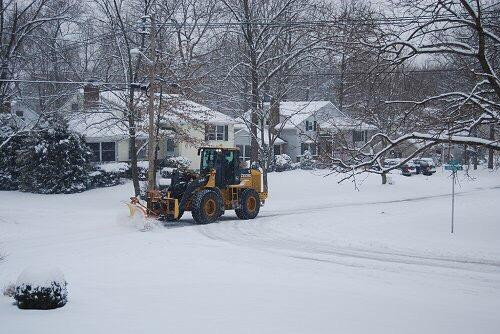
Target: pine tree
point(54, 160)
point(8, 168)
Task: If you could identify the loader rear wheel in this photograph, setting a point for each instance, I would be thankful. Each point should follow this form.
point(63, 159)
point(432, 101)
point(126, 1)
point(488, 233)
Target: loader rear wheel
point(250, 205)
point(207, 206)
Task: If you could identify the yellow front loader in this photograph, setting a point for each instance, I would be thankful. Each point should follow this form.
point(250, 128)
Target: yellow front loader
point(219, 185)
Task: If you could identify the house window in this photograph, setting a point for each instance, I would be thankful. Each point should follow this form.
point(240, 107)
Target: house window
point(170, 147)
point(360, 136)
point(96, 152)
point(241, 148)
point(108, 151)
point(216, 132)
point(103, 152)
point(311, 126)
point(248, 152)
point(74, 106)
point(245, 152)
point(20, 113)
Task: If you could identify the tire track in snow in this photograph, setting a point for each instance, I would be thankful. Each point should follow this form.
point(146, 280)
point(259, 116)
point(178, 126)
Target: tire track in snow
point(256, 234)
point(354, 204)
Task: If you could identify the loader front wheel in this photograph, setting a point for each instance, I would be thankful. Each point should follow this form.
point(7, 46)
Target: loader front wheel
point(249, 204)
point(207, 206)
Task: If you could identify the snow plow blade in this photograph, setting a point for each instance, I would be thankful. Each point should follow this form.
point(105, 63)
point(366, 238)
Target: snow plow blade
point(135, 206)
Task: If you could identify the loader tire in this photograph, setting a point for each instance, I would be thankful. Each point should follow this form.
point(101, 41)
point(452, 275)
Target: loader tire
point(207, 206)
point(250, 205)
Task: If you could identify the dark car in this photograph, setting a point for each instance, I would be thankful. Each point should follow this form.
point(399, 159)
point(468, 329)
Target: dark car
point(426, 166)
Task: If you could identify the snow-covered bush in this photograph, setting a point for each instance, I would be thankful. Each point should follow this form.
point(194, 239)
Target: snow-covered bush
point(307, 161)
point(176, 162)
point(9, 290)
point(142, 170)
point(8, 168)
point(282, 162)
point(39, 288)
point(166, 172)
point(114, 167)
point(54, 160)
point(101, 178)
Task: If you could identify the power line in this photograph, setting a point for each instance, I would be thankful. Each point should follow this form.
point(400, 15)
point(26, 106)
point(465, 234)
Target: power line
point(305, 74)
point(66, 82)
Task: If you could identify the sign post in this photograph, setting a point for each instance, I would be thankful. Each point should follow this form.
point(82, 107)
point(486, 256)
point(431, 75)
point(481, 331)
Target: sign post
point(454, 166)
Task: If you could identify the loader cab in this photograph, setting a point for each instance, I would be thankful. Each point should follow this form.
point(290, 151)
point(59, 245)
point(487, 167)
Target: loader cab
point(225, 162)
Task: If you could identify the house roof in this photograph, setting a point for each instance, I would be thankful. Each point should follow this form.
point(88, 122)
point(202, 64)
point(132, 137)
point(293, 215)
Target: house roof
point(345, 123)
point(108, 120)
point(296, 112)
point(100, 124)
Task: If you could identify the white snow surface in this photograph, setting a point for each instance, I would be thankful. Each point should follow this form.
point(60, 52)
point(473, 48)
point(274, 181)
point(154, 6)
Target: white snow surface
point(322, 257)
point(40, 276)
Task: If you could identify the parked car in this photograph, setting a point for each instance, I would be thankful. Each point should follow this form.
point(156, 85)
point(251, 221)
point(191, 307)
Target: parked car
point(391, 162)
point(409, 168)
point(426, 166)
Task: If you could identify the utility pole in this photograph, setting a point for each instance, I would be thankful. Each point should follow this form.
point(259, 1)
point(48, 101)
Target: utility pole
point(151, 110)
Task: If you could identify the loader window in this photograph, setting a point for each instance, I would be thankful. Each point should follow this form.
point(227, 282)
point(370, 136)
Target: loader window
point(208, 160)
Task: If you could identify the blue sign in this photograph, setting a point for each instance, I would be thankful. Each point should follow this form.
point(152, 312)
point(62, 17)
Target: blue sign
point(453, 165)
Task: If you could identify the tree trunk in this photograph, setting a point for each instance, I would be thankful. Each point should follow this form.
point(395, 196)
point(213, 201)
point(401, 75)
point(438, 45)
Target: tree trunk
point(490, 151)
point(384, 178)
point(474, 159)
point(254, 157)
point(133, 153)
point(151, 110)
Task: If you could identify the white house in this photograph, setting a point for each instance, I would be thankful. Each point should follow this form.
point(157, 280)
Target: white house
point(301, 126)
point(185, 125)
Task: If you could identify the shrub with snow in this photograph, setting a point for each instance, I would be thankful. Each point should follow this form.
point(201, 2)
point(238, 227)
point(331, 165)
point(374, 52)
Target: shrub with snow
point(166, 172)
point(176, 162)
point(142, 170)
point(101, 178)
point(39, 288)
point(9, 171)
point(307, 161)
point(53, 161)
point(282, 163)
point(114, 167)
point(9, 290)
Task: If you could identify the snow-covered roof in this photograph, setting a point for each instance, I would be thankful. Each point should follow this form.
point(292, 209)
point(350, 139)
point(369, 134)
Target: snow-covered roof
point(296, 112)
point(100, 124)
point(194, 111)
point(346, 123)
point(107, 119)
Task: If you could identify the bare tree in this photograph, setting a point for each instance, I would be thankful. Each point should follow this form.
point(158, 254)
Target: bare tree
point(270, 42)
point(19, 24)
point(466, 31)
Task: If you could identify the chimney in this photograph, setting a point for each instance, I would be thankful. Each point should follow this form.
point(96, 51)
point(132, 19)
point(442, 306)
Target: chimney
point(90, 96)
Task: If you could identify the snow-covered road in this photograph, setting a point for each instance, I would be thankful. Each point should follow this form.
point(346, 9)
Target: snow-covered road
point(321, 258)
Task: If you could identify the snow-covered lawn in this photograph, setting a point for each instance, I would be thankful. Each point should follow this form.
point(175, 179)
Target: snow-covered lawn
point(320, 258)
